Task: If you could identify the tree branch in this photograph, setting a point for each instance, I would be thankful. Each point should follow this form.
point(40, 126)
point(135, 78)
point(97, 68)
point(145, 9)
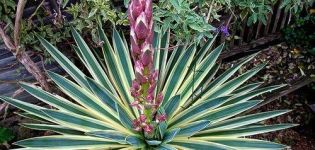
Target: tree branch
point(19, 53)
point(17, 24)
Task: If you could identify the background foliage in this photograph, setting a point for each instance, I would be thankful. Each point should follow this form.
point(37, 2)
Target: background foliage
point(187, 19)
point(5, 135)
point(84, 16)
point(298, 34)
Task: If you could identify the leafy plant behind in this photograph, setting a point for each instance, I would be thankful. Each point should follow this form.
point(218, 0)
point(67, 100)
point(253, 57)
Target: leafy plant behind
point(300, 34)
point(86, 16)
point(5, 135)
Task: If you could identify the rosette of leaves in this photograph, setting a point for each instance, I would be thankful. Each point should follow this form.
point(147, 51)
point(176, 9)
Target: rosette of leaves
point(203, 109)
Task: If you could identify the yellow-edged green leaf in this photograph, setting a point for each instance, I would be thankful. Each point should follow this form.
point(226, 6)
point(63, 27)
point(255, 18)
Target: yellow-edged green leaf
point(228, 111)
point(198, 144)
point(170, 135)
point(177, 75)
point(247, 144)
point(110, 135)
point(77, 122)
point(199, 90)
point(106, 97)
point(176, 53)
point(204, 50)
point(54, 100)
point(165, 147)
point(54, 128)
point(198, 73)
point(162, 127)
point(68, 142)
point(244, 131)
point(247, 88)
point(245, 97)
point(30, 108)
point(123, 56)
point(171, 106)
point(135, 142)
point(32, 117)
point(230, 86)
point(196, 111)
point(92, 64)
point(193, 128)
point(115, 71)
point(124, 118)
point(163, 50)
point(65, 63)
point(153, 142)
point(246, 120)
point(85, 98)
point(214, 85)
point(79, 54)
point(156, 46)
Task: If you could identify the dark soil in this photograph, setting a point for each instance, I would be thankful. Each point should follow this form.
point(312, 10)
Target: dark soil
point(287, 65)
point(301, 137)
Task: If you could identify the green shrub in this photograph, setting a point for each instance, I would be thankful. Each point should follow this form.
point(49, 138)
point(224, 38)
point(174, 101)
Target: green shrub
point(300, 34)
point(5, 135)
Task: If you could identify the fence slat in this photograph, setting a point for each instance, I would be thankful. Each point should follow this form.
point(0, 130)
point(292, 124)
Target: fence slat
point(266, 31)
point(275, 23)
point(258, 29)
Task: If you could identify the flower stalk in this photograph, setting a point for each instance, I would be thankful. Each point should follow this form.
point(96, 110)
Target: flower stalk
point(143, 86)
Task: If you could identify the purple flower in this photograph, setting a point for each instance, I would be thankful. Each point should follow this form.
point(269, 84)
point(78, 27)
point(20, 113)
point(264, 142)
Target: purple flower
point(225, 30)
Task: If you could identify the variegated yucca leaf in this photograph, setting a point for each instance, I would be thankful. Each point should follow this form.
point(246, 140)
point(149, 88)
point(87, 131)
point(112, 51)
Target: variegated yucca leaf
point(203, 109)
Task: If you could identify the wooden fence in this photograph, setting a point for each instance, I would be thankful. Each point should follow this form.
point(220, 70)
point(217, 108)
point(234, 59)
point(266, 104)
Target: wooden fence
point(257, 34)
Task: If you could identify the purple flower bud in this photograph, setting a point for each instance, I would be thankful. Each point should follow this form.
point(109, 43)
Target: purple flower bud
point(150, 35)
point(161, 118)
point(148, 9)
point(141, 27)
point(148, 128)
point(136, 124)
point(136, 104)
point(140, 78)
point(134, 44)
point(135, 8)
point(142, 118)
point(155, 74)
point(159, 98)
point(150, 97)
point(134, 93)
point(147, 58)
point(135, 85)
point(151, 88)
point(138, 67)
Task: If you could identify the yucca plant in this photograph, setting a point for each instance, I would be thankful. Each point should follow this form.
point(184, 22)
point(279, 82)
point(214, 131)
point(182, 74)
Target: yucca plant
point(168, 100)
